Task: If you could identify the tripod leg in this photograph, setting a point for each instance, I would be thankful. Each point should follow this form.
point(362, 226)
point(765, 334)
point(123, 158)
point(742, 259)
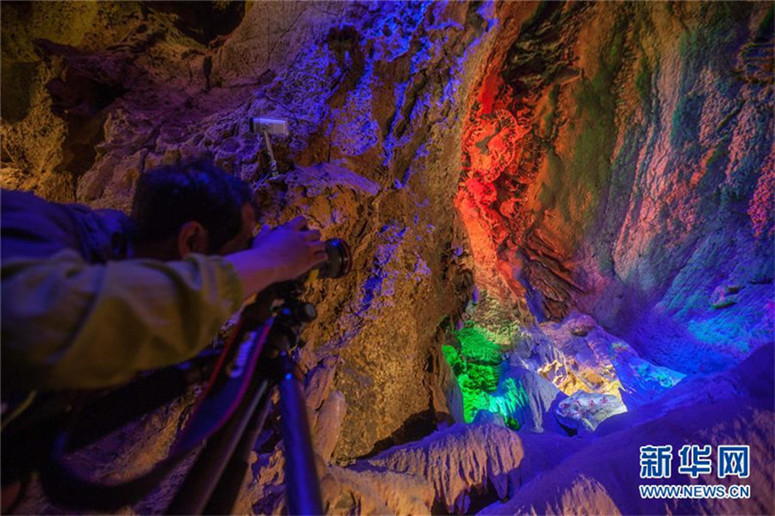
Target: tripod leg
point(198, 487)
point(301, 479)
point(230, 484)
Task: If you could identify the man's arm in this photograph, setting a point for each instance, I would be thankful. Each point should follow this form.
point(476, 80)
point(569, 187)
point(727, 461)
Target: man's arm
point(279, 254)
point(70, 324)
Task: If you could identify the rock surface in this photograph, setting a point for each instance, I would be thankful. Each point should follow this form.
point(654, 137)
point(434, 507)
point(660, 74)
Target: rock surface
point(506, 167)
point(621, 166)
point(373, 95)
point(602, 478)
point(463, 461)
point(584, 411)
point(578, 355)
point(527, 397)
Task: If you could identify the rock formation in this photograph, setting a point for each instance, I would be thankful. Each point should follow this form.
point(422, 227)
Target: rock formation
point(612, 156)
point(545, 201)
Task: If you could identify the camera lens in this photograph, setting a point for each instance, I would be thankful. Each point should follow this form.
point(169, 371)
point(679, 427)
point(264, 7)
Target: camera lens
point(339, 259)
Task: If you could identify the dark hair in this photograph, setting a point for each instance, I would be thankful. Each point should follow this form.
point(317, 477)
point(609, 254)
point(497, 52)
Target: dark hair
point(169, 196)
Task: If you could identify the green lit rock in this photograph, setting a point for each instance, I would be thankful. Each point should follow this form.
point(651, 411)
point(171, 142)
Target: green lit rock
point(477, 347)
point(473, 400)
point(476, 366)
point(527, 398)
point(482, 377)
point(453, 359)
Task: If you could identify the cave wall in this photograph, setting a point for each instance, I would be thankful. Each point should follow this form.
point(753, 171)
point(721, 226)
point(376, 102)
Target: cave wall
point(373, 93)
point(615, 159)
point(609, 158)
point(618, 160)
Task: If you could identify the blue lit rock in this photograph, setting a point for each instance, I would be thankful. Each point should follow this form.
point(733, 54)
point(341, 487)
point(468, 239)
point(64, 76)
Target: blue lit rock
point(485, 417)
point(528, 399)
point(584, 411)
point(576, 354)
point(735, 406)
point(641, 381)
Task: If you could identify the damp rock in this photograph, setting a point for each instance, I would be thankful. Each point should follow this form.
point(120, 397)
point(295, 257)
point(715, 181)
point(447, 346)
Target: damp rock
point(584, 411)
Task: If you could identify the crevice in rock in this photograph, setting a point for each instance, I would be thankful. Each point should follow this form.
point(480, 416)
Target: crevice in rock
point(204, 22)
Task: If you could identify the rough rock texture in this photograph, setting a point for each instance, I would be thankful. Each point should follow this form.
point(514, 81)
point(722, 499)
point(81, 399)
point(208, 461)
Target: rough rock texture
point(373, 95)
point(343, 490)
point(610, 159)
point(126, 454)
point(618, 160)
point(599, 473)
point(602, 477)
point(465, 466)
point(457, 460)
point(534, 411)
point(463, 462)
point(578, 355)
point(457, 469)
point(584, 411)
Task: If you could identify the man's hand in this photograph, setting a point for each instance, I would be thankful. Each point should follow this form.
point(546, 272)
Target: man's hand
point(281, 254)
point(290, 248)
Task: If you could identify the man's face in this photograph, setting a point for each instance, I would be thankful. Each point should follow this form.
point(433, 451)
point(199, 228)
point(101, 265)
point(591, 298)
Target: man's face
point(242, 240)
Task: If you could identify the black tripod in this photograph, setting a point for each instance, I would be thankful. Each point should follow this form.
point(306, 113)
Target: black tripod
point(214, 482)
point(230, 416)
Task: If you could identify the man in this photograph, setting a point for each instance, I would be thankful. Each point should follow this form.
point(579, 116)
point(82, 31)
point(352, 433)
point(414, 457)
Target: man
point(89, 299)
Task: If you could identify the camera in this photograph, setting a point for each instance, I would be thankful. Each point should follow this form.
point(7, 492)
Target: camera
point(338, 264)
point(339, 260)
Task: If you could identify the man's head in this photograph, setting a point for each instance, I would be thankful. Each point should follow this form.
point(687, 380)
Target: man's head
point(191, 207)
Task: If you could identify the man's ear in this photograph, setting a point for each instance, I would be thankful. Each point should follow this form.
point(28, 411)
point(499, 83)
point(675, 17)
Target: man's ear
point(192, 238)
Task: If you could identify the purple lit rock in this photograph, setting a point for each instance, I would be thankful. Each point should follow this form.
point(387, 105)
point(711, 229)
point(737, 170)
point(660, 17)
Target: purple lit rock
point(485, 417)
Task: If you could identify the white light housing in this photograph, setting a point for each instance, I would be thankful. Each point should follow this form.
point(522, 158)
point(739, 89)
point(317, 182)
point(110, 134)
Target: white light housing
point(273, 126)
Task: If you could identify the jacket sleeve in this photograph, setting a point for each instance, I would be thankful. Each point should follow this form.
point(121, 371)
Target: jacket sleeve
point(70, 324)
